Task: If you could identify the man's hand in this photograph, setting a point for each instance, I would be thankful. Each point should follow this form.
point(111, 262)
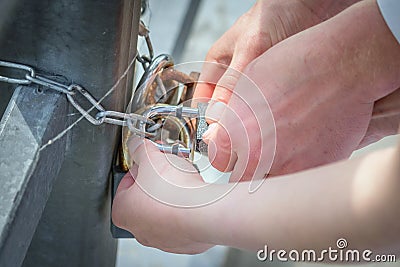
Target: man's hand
point(153, 201)
point(321, 86)
point(264, 25)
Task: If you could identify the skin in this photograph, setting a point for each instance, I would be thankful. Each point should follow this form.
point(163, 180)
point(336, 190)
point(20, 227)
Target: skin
point(266, 24)
point(357, 199)
point(345, 69)
point(385, 118)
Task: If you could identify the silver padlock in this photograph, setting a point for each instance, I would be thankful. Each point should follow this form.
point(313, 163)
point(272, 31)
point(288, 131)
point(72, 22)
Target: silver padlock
point(183, 114)
point(159, 99)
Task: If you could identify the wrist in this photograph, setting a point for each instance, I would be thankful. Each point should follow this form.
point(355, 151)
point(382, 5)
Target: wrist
point(376, 197)
point(220, 222)
point(202, 224)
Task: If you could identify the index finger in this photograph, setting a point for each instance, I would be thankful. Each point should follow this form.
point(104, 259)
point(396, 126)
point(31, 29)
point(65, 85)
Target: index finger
point(210, 74)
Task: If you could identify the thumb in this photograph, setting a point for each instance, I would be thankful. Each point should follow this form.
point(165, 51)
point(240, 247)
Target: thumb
point(141, 149)
point(220, 151)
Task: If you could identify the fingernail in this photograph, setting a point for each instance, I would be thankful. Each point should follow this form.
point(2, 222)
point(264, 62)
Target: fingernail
point(215, 110)
point(211, 128)
point(212, 151)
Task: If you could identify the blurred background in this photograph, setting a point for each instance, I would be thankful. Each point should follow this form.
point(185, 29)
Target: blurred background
point(212, 19)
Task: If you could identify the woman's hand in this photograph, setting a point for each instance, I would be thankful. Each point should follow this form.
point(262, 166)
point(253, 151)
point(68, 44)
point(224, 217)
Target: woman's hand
point(362, 191)
point(154, 200)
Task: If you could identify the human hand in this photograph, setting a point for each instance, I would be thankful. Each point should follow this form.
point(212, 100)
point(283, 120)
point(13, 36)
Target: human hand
point(315, 85)
point(264, 25)
point(385, 119)
point(153, 200)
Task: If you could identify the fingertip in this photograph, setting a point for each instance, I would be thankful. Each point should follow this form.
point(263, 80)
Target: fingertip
point(134, 143)
point(126, 182)
point(140, 148)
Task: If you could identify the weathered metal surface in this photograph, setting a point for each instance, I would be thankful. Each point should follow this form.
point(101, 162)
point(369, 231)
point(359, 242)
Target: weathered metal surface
point(89, 42)
point(74, 230)
point(27, 174)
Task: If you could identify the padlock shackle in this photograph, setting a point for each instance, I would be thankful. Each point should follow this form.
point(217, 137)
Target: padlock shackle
point(156, 66)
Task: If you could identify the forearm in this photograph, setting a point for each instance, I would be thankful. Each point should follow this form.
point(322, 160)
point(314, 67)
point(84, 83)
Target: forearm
point(326, 9)
point(362, 50)
point(356, 200)
point(355, 53)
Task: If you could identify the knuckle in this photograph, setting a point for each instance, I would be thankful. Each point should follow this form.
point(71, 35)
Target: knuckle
point(213, 52)
point(259, 41)
point(219, 55)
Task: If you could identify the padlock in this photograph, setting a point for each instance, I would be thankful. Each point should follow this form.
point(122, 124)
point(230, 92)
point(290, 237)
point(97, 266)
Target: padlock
point(163, 96)
point(190, 123)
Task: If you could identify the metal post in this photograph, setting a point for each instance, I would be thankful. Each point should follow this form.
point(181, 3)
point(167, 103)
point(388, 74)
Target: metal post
point(90, 42)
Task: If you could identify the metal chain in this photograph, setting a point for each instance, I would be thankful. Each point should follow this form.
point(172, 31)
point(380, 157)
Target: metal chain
point(145, 60)
point(71, 90)
point(141, 125)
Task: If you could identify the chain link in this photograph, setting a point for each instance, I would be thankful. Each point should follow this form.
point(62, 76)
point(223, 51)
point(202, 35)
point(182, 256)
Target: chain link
point(36, 79)
point(145, 60)
point(142, 125)
point(16, 66)
point(71, 91)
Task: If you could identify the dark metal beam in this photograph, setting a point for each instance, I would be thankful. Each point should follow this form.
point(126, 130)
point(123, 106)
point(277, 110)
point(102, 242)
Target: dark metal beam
point(74, 229)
